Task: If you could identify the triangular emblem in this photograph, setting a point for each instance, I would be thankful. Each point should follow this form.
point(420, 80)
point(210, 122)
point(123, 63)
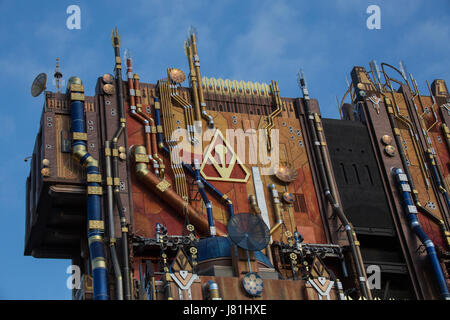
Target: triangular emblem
point(181, 262)
point(221, 163)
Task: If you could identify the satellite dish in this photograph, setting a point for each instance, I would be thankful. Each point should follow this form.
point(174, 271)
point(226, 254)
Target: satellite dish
point(177, 75)
point(39, 84)
point(248, 232)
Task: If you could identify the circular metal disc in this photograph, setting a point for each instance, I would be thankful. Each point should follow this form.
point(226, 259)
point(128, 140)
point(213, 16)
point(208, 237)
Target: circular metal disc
point(288, 197)
point(109, 88)
point(248, 231)
point(390, 150)
point(386, 139)
point(39, 84)
point(286, 173)
point(176, 75)
point(253, 284)
point(107, 78)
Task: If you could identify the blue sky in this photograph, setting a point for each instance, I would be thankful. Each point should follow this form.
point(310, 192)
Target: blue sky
point(244, 40)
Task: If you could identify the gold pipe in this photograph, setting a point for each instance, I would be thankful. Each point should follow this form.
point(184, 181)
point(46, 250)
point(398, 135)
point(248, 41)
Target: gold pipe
point(182, 103)
point(257, 211)
point(432, 110)
point(342, 102)
point(194, 83)
point(254, 205)
point(271, 124)
point(180, 178)
point(446, 133)
point(323, 145)
point(196, 60)
point(277, 209)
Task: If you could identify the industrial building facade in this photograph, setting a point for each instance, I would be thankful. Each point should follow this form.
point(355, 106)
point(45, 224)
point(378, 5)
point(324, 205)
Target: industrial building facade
point(226, 190)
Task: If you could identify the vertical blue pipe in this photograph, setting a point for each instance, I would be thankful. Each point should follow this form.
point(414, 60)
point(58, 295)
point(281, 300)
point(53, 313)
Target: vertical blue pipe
point(411, 210)
point(159, 135)
point(95, 235)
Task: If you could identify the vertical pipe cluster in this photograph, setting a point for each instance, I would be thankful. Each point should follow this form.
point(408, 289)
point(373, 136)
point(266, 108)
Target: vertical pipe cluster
point(411, 212)
point(407, 122)
point(147, 121)
point(437, 176)
point(196, 80)
point(324, 174)
point(110, 216)
point(115, 37)
point(94, 190)
point(174, 148)
point(151, 129)
point(188, 168)
point(401, 153)
point(206, 201)
point(182, 103)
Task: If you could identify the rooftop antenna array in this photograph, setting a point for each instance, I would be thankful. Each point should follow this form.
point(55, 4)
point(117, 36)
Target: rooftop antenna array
point(58, 77)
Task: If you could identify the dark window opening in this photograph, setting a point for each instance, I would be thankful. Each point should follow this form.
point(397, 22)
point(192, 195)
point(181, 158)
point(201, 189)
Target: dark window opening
point(344, 173)
point(356, 173)
point(370, 176)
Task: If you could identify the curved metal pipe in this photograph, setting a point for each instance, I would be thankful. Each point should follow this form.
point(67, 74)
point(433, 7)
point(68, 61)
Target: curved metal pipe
point(411, 211)
point(254, 204)
point(94, 215)
point(208, 204)
point(150, 132)
point(162, 189)
point(212, 189)
point(188, 168)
